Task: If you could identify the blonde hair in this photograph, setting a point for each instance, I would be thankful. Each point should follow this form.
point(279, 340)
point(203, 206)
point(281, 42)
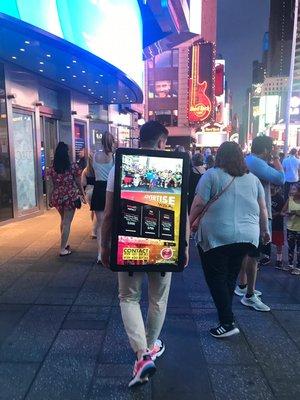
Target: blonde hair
point(107, 142)
point(89, 169)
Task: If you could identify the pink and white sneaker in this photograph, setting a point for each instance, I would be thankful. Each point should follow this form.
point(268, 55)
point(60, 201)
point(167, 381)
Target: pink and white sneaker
point(142, 370)
point(157, 350)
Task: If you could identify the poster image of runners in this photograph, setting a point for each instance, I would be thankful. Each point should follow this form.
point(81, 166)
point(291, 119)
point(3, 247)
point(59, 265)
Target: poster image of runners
point(150, 205)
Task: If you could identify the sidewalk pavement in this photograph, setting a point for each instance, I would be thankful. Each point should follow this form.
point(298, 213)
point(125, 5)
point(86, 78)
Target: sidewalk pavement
point(62, 338)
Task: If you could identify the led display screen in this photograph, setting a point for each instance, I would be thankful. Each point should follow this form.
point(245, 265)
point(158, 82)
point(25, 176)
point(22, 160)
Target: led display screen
point(110, 29)
point(151, 220)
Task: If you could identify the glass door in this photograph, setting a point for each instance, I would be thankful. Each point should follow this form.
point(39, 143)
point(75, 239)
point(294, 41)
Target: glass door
point(48, 146)
point(24, 161)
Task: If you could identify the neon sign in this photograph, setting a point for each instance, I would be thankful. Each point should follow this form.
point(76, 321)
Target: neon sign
point(200, 105)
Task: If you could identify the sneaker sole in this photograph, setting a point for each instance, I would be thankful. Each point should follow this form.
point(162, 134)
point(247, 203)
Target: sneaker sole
point(233, 332)
point(253, 306)
point(143, 377)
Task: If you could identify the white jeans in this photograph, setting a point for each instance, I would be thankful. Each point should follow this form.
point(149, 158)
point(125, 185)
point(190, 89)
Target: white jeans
point(130, 291)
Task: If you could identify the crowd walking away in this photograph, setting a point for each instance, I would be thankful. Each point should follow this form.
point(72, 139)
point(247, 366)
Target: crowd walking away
point(239, 207)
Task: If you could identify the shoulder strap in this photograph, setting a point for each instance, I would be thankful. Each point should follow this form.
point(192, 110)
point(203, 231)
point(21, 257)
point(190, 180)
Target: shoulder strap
point(215, 198)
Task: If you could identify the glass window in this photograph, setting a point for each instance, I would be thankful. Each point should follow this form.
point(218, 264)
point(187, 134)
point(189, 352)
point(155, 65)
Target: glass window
point(151, 63)
point(163, 89)
point(23, 142)
point(175, 89)
point(6, 203)
point(175, 54)
point(164, 117)
point(175, 117)
point(163, 60)
point(151, 90)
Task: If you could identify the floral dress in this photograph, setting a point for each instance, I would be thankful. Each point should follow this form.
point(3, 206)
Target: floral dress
point(65, 190)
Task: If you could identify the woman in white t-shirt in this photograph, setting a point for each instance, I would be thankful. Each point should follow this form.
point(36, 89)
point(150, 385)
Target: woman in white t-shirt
point(235, 217)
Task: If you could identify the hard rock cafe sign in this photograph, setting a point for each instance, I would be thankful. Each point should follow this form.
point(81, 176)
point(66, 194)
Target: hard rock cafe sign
point(200, 106)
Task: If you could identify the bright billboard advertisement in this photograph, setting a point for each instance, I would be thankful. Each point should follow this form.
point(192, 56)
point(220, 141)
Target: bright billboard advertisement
point(112, 30)
point(150, 211)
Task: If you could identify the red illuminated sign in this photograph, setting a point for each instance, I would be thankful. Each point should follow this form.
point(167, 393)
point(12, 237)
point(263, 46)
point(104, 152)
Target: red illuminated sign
point(200, 105)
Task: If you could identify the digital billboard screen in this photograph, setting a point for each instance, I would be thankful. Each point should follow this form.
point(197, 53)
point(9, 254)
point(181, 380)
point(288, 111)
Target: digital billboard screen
point(150, 198)
point(112, 30)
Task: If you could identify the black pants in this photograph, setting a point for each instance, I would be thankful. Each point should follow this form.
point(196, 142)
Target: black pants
point(293, 239)
point(221, 267)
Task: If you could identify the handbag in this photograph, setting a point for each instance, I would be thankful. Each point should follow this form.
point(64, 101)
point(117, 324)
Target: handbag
point(77, 203)
point(204, 210)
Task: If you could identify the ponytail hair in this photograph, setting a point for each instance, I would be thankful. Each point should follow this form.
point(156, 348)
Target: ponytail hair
point(107, 142)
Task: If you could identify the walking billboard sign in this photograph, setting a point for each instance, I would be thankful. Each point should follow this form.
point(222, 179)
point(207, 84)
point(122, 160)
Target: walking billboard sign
point(150, 206)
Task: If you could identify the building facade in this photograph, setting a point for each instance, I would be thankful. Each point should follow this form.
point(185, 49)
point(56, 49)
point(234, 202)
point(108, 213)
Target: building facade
point(167, 77)
point(67, 74)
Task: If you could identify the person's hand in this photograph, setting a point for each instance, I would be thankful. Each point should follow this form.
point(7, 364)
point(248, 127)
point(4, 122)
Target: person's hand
point(105, 253)
point(265, 237)
point(186, 257)
point(194, 225)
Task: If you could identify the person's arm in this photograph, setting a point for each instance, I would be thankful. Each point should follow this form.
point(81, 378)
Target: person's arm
point(263, 221)
point(83, 179)
point(285, 208)
point(197, 206)
point(266, 173)
point(107, 228)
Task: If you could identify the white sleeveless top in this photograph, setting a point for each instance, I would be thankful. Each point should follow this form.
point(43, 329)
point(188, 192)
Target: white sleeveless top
point(102, 169)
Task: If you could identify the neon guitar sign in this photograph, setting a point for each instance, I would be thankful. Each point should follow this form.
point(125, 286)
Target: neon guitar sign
point(199, 103)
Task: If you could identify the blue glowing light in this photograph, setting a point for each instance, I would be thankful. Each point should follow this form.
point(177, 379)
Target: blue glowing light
point(110, 29)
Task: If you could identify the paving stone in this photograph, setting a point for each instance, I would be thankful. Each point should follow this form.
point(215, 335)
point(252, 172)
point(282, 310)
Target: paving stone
point(68, 370)
point(34, 334)
point(183, 353)
point(15, 379)
point(111, 382)
point(70, 276)
point(290, 322)
point(116, 347)
point(57, 296)
point(10, 315)
point(277, 354)
point(232, 351)
point(26, 289)
point(98, 289)
point(232, 382)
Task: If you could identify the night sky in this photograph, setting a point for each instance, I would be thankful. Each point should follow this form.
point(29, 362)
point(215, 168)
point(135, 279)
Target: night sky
point(241, 26)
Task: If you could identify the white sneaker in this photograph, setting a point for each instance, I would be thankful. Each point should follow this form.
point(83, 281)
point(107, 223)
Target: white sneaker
point(255, 302)
point(242, 292)
point(295, 271)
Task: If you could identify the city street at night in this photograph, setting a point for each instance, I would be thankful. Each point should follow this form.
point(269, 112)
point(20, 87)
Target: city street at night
point(150, 200)
point(62, 338)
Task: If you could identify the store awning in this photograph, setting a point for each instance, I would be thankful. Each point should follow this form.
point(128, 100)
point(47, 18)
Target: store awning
point(65, 63)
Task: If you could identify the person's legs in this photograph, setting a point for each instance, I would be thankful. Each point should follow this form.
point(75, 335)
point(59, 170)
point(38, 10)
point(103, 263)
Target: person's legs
point(99, 216)
point(215, 266)
point(158, 293)
point(61, 213)
point(130, 291)
point(66, 225)
point(236, 257)
point(251, 271)
point(291, 240)
point(243, 273)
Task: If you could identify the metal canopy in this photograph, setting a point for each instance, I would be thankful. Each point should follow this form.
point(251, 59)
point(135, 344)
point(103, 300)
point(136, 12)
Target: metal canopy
point(67, 64)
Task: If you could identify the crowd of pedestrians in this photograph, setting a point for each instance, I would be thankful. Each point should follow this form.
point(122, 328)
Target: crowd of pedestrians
point(238, 205)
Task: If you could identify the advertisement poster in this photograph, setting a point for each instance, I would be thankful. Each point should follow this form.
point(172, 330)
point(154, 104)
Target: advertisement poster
point(150, 207)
